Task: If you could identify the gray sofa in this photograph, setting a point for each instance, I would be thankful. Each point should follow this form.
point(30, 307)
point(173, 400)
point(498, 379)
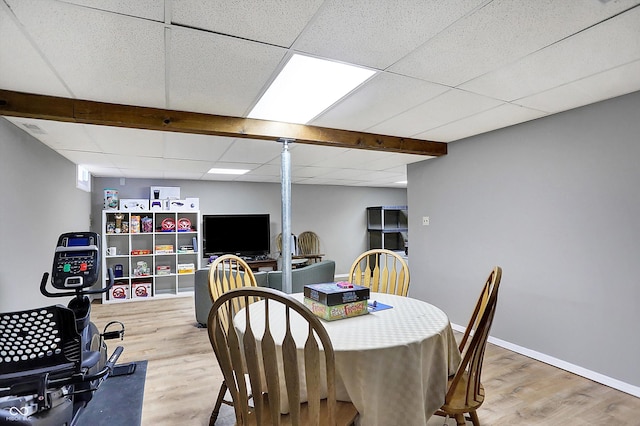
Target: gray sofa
point(321, 272)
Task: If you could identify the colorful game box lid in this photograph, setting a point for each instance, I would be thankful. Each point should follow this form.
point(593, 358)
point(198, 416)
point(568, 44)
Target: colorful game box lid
point(336, 293)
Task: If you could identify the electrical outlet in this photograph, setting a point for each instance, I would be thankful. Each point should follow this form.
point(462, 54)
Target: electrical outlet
point(425, 220)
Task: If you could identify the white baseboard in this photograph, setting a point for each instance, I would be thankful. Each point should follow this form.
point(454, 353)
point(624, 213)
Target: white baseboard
point(575, 369)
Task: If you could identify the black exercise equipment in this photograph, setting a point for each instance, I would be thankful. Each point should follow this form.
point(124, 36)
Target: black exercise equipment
point(53, 359)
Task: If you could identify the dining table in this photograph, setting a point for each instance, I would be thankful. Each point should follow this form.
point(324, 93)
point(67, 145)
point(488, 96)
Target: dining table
point(393, 363)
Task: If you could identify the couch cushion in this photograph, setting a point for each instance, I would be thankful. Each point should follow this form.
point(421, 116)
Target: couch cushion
point(321, 272)
point(201, 296)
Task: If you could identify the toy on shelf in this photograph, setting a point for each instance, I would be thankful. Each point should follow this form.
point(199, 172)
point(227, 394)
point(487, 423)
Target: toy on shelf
point(168, 225)
point(184, 224)
point(147, 224)
point(135, 224)
point(142, 269)
point(119, 217)
point(140, 252)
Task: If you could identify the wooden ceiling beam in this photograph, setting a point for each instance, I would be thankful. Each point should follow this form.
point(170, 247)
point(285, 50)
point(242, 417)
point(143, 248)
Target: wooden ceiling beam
point(18, 104)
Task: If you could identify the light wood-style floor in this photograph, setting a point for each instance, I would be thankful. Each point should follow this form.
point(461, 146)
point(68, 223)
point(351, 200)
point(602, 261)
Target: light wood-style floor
point(183, 377)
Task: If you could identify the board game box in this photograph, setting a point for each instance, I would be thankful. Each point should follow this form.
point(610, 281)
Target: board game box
point(336, 312)
point(336, 293)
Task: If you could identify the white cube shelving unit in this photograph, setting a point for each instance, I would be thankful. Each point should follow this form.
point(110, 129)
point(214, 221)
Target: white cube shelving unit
point(154, 257)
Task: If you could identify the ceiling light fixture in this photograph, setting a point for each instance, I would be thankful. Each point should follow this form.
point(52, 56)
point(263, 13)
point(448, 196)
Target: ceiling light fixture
point(307, 86)
point(228, 171)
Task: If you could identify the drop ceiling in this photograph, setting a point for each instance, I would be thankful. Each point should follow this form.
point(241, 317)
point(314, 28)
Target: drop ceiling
point(445, 71)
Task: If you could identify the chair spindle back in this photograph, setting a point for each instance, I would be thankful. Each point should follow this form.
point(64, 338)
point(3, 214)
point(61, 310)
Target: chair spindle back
point(381, 270)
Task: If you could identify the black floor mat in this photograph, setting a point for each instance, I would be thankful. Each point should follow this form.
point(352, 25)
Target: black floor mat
point(118, 401)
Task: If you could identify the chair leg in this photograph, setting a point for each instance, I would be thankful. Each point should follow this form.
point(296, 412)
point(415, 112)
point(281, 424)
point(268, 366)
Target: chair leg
point(474, 418)
point(460, 420)
point(216, 408)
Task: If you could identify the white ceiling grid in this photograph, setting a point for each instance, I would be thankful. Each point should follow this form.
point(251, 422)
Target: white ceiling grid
point(446, 71)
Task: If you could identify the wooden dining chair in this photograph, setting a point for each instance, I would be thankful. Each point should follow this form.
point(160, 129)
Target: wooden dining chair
point(227, 273)
point(239, 356)
point(381, 270)
point(309, 246)
point(465, 393)
point(294, 242)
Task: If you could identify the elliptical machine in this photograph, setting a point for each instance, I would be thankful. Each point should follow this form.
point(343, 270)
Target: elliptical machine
point(53, 359)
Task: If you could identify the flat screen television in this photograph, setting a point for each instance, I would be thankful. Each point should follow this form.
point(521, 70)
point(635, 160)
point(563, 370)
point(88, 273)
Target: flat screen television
point(239, 234)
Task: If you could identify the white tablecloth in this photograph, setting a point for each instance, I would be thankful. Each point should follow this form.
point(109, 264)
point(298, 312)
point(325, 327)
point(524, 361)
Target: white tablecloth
point(392, 364)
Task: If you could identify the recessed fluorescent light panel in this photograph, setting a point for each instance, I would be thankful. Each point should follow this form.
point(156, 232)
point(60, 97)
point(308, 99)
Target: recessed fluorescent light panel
point(227, 171)
point(307, 86)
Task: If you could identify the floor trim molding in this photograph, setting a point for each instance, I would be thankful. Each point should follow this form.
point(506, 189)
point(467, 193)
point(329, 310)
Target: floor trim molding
point(572, 368)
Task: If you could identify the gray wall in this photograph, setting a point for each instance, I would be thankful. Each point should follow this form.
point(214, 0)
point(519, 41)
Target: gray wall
point(39, 202)
point(556, 203)
point(336, 213)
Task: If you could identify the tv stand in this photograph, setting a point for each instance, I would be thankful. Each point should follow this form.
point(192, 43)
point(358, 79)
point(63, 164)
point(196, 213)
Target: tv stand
point(255, 265)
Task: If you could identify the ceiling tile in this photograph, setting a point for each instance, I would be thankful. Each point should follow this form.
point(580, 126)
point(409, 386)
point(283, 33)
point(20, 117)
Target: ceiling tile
point(307, 154)
point(309, 171)
point(130, 142)
point(344, 160)
point(277, 23)
point(495, 118)
point(257, 178)
point(57, 134)
point(379, 176)
point(368, 160)
point(382, 184)
point(208, 176)
point(214, 74)
point(377, 33)
point(234, 165)
point(252, 151)
point(393, 178)
point(192, 166)
point(143, 173)
point(266, 170)
point(500, 33)
point(391, 162)
point(349, 159)
point(93, 161)
point(147, 9)
point(377, 100)
point(523, 54)
point(99, 60)
point(171, 174)
point(195, 147)
point(136, 162)
point(608, 84)
point(22, 68)
point(611, 43)
point(103, 171)
point(336, 182)
point(402, 169)
point(343, 173)
point(450, 106)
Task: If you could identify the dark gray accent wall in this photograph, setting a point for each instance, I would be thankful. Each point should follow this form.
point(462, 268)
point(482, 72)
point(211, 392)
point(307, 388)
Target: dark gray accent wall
point(556, 203)
point(39, 201)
